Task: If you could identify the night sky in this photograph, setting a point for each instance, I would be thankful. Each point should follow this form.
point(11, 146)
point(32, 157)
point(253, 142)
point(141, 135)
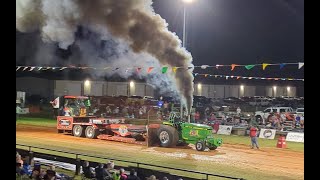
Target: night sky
point(240, 32)
point(237, 32)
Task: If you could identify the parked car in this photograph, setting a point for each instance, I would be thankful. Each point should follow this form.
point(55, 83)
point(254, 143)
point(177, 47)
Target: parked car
point(260, 102)
point(300, 111)
point(233, 100)
point(262, 116)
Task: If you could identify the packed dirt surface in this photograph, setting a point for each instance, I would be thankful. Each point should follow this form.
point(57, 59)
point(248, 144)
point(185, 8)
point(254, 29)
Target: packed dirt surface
point(273, 161)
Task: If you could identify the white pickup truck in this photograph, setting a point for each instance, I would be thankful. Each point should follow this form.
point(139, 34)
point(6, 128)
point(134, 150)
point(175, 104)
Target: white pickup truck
point(262, 116)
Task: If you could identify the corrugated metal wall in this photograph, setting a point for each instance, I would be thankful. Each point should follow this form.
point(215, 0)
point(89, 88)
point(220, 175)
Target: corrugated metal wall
point(48, 88)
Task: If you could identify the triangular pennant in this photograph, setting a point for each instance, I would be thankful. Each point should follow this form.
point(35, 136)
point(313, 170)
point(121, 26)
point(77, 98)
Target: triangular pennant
point(300, 65)
point(233, 66)
point(264, 65)
point(205, 75)
point(138, 69)
point(18, 68)
point(174, 69)
point(149, 69)
point(164, 70)
point(24, 68)
point(62, 68)
point(32, 68)
point(248, 67)
point(282, 65)
point(204, 66)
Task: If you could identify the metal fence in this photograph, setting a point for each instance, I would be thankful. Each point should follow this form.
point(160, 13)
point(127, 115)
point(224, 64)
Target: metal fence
point(76, 160)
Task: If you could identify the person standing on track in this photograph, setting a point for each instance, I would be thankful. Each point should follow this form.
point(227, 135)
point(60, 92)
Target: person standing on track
point(253, 136)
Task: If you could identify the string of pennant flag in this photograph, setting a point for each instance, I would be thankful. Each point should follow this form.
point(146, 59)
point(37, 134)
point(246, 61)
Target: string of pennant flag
point(250, 66)
point(164, 69)
point(245, 77)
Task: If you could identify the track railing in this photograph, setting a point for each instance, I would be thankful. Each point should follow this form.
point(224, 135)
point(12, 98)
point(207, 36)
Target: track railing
point(78, 164)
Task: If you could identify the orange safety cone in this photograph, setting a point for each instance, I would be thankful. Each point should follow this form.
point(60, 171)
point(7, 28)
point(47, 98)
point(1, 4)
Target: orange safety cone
point(281, 142)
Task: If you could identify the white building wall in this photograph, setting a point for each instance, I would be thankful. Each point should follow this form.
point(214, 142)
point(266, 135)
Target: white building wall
point(63, 87)
point(234, 91)
point(249, 90)
point(100, 88)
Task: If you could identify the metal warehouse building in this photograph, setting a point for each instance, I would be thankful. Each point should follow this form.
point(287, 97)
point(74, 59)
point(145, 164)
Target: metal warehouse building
point(52, 88)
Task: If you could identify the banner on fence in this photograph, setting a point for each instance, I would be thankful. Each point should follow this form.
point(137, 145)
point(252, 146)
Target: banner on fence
point(267, 133)
point(224, 129)
point(295, 137)
point(24, 111)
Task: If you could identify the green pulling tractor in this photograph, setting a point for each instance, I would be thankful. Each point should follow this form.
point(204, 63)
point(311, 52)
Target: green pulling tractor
point(175, 132)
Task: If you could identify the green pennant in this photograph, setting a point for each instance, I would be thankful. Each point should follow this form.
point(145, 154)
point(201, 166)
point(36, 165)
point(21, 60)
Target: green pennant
point(164, 70)
point(249, 66)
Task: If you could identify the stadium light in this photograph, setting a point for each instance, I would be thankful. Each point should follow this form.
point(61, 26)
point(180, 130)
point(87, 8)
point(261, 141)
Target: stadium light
point(131, 84)
point(86, 83)
point(188, 1)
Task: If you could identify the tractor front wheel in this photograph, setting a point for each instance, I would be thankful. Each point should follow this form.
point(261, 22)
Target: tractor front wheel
point(168, 136)
point(200, 146)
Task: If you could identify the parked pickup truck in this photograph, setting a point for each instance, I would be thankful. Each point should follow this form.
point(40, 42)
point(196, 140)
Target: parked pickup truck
point(262, 116)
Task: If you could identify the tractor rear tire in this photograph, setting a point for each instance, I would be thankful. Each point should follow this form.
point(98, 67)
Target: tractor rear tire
point(213, 147)
point(168, 136)
point(200, 146)
point(91, 133)
point(77, 131)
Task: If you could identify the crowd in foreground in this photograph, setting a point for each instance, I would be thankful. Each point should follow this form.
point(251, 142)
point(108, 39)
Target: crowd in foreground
point(107, 171)
point(36, 171)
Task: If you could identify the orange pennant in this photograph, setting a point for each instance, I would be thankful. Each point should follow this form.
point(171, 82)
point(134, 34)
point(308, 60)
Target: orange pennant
point(233, 66)
point(150, 69)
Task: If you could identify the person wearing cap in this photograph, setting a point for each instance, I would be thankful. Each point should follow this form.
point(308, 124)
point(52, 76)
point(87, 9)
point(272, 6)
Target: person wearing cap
point(253, 136)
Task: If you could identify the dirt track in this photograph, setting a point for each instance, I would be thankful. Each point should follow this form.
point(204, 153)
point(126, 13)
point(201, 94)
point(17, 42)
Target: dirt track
point(273, 161)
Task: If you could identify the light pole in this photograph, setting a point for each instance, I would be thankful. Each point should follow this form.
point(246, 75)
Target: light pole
point(183, 45)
